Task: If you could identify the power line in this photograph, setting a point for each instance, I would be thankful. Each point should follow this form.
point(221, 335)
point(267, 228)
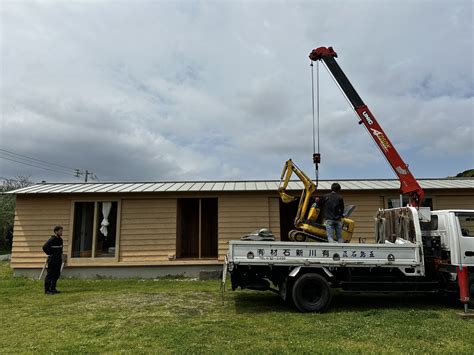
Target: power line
point(45, 165)
point(15, 155)
point(32, 163)
point(37, 166)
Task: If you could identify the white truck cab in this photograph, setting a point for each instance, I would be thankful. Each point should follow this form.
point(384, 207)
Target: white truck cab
point(456, 231)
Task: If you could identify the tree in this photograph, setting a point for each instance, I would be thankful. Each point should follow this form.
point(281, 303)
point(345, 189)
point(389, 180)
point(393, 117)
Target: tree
point(7, 208)
point(466, 173)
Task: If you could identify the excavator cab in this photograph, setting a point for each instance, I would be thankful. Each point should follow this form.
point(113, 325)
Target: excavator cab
point(308, 222)
point(315, 230)
point(314, 212)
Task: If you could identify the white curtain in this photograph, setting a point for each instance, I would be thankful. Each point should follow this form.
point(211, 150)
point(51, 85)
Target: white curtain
point(106, 207)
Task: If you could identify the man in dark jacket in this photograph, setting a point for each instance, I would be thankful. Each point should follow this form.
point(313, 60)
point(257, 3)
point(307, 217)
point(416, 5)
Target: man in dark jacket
point(54, 249)
point(333, 205)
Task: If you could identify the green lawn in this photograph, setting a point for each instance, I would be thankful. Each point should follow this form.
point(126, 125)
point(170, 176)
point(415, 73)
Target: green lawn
point(182, 316)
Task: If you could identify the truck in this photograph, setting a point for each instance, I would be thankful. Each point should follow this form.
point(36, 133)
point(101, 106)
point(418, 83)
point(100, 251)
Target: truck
point(412, 256)
point(415, 249)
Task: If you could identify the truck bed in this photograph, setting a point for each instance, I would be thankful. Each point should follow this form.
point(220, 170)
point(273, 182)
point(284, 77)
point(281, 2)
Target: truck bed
point(277, 253)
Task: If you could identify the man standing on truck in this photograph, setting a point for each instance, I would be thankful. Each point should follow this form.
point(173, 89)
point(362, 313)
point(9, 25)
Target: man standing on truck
point(54, 249)
point(333, 206)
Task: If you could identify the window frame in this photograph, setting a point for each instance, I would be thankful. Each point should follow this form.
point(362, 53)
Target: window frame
point(460, 227)
point(94, 259)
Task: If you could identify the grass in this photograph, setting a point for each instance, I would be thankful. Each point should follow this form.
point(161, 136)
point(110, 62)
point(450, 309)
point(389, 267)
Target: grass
point(182, 316)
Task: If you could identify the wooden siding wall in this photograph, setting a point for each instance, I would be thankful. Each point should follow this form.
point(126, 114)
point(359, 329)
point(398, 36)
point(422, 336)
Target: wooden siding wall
point(148, 223)
point(274, 216)
point(35, 218)
point(241, 214)
point(366, 206)
point(148, 230)
point(445, 201)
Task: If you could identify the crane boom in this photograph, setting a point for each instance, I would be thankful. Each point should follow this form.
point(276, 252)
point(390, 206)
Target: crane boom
point(408, 183)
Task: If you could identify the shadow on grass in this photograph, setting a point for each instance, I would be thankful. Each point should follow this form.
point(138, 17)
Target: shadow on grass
point(265, 302)
point(260, 302)
point(368, 301)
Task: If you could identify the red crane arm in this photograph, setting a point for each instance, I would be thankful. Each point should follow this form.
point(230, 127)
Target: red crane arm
point(408, 183)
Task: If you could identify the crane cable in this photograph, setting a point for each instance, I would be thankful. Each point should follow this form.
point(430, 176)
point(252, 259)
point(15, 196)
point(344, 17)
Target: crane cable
point(355, 112)
point(316, 154)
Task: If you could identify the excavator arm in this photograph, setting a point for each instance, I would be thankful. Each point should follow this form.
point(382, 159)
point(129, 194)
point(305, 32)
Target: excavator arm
point(306, 220)
point(408, 183)
point(309, 189)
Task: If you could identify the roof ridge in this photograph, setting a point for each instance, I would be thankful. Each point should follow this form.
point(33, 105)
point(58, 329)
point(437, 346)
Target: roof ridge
point(240, 185)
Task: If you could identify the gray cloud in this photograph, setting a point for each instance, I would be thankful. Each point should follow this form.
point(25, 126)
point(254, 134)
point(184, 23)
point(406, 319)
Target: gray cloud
point(207, 90)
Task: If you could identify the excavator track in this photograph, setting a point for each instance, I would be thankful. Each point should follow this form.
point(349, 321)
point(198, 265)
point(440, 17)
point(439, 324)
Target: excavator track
point(300, 236)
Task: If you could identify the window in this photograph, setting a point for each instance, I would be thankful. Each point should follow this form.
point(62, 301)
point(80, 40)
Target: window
point(95, 229)
point(196, 230)
point(466, 222)
point(106, 230)
point(431, 225)
point(394, 202)
point(83, 229)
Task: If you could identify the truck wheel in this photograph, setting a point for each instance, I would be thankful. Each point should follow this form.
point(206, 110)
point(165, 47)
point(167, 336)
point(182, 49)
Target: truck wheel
point(311, 293)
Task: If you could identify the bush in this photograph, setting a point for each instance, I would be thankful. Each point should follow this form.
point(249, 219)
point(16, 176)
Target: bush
point(7, 209)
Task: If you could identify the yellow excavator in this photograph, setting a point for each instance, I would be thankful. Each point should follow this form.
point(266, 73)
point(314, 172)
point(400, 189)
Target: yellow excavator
point(308, 226)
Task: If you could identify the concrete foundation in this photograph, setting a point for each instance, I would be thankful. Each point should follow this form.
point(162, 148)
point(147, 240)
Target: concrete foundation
point(204, 272)
point(5, 257)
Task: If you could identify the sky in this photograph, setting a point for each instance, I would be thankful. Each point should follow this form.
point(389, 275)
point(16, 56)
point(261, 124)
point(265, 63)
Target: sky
point(221, 90)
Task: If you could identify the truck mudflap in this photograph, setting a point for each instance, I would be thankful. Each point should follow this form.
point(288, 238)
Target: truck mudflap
point(224, 273)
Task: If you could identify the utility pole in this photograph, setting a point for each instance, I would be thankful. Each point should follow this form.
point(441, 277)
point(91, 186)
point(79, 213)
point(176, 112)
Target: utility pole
point(86, 174)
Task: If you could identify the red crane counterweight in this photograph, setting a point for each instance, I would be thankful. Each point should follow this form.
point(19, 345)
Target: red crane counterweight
point(319, 53)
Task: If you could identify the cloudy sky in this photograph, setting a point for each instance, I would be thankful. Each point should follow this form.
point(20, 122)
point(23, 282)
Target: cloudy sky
point(221, 90)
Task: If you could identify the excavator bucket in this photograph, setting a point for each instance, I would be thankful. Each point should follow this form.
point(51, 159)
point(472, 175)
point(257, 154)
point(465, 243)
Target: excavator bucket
point(287, 198)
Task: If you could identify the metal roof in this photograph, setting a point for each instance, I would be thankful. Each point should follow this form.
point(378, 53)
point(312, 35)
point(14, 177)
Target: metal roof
point(213, 186)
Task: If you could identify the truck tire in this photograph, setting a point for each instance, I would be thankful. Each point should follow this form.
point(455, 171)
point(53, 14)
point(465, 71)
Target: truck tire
point(311, 293)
